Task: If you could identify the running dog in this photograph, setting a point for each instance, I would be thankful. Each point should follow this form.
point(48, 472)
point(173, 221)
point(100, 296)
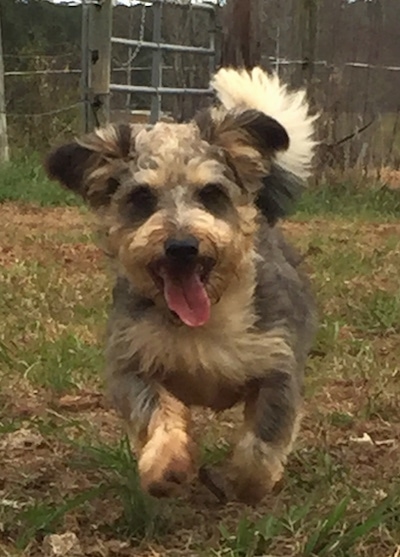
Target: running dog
point(210, 306)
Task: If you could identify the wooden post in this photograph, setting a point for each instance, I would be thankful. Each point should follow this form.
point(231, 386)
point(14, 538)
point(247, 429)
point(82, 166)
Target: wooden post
point(4, 151)
point(256, 32)
point(242, 33)
point(308, 28)
point(85, 78)
point(156, 63)
point(99, 42)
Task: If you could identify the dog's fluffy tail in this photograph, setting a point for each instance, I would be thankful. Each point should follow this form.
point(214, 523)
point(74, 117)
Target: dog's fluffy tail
point(242, 90)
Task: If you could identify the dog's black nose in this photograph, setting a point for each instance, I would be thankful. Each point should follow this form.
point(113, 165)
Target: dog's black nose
point(184, 249)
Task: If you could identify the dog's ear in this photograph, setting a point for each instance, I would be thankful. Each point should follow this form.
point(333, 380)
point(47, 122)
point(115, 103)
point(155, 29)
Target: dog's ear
point(264, 133)
point(83, 165)
point(68, 164)
point(251, 140)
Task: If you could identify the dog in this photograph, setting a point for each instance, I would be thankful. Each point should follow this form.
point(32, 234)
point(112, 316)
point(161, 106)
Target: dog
point(210, 305)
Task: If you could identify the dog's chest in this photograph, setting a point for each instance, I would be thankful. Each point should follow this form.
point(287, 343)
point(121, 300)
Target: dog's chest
point(200, 367)
point(227, 354)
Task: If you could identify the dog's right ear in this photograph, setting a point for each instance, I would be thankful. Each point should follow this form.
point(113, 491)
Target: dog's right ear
point(68, 165)
point(85, 166)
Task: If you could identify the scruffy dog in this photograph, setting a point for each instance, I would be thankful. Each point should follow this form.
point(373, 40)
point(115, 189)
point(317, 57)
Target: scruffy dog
point(209, 306)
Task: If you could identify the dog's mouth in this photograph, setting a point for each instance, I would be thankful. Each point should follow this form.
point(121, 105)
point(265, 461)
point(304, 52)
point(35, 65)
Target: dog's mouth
point(184, 289)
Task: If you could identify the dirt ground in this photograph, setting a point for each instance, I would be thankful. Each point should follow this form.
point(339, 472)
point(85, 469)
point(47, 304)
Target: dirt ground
point(68, 485)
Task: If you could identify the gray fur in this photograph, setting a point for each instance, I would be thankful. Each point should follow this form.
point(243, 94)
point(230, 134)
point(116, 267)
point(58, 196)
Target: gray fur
point(276, 407)
point(283, 296)
point(135, 398)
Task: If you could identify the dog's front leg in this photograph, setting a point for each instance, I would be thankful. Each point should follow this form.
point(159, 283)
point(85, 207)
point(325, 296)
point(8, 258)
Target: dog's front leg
point(167, 458)
point(272, 418)
point(159, 426)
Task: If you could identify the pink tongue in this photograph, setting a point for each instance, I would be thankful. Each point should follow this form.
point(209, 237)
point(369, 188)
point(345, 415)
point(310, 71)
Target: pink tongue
point(187, 297)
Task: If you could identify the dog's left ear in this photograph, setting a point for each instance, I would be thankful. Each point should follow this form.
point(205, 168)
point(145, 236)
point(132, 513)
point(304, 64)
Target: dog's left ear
point(250, 139)
point(265, 133)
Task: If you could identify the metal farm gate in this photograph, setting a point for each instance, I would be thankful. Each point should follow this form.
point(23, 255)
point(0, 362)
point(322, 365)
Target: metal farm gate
point(97, 41)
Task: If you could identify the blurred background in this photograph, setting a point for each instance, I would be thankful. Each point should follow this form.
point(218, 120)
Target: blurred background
point(346, 53)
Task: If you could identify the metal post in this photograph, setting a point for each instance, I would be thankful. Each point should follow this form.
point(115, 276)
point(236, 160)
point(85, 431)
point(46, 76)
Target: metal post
point(85, 89)
point(156, 63)
point(100, 26)
point(212, 60)
point(4, 151)
point(129, 65)
point(156, 90)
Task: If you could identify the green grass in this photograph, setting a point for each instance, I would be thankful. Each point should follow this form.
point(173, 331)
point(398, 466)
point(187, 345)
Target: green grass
point(24, 180)
point(349, 200)
point(337, 533)
point(139, 514)
point(383, 312)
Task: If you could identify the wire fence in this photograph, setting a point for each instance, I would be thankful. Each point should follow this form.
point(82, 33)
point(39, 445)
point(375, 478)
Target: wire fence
point(359, 126)
point(45, 113)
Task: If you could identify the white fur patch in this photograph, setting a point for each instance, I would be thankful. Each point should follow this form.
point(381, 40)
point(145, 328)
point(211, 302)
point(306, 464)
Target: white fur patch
point(243, 90)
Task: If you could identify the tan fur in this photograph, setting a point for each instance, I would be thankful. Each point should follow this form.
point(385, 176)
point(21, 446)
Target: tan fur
point(167, 452)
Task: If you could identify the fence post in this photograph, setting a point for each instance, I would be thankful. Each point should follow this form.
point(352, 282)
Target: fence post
point(212, 60)
point(99, 48)
point(4, 152)
point(85, 78)
point(308, 30)
point(129, 64)
point(242, 33)
point(156, 62)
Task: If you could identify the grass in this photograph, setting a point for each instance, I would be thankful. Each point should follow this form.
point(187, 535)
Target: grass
point(338, 533)
point(348, 199)
point(24, 180)
point(66, 464)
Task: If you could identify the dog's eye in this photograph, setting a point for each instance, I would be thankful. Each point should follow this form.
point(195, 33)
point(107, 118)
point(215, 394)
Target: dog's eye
point(214, 199)
point(142, 202)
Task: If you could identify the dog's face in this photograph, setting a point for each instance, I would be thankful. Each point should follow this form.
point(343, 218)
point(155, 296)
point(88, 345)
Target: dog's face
point(177, 201)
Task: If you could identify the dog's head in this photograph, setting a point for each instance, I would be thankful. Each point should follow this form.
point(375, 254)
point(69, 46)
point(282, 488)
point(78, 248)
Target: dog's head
point(179, 202)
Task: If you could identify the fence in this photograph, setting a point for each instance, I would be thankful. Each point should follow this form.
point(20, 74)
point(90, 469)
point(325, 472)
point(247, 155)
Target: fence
point(97, 41)
point(45, 105)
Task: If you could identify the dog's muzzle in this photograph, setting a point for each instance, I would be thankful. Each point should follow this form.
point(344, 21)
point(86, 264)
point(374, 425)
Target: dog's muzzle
point(182, 274)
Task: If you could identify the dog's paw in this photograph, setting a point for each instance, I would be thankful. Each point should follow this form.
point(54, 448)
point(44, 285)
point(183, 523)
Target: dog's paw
point(252, 491)
point(167, 462)
point(257, 470)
